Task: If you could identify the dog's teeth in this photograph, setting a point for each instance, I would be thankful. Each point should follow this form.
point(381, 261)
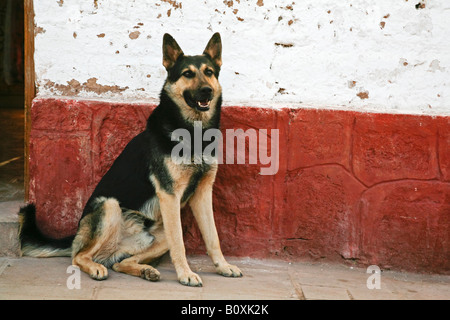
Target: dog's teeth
point(203, 104)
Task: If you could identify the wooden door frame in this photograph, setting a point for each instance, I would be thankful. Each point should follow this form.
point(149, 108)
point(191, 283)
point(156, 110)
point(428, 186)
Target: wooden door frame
point(30, 87)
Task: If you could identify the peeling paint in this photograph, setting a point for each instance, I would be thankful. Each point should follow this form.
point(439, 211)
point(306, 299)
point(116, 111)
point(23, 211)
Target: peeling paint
point(284, 45)
point(74, 88)
point(420, 5)
point(38, 30)
point(351, 84)
point(175, 4)
point(363, 95)
point(134, 35)
point(228, 3)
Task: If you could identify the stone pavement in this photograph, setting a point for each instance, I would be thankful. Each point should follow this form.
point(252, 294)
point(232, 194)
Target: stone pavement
point(44, 279)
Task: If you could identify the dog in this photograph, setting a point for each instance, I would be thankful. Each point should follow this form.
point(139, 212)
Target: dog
point(133, 215)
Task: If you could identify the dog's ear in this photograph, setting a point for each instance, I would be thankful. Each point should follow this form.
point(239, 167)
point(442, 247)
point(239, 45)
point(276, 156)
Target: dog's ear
point(214, 49)
point(171, 51)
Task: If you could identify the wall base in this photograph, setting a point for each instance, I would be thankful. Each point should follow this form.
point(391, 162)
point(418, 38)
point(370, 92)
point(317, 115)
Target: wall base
point(362, 187)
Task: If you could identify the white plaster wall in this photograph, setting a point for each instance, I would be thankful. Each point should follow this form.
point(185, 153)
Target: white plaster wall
point(381, 56)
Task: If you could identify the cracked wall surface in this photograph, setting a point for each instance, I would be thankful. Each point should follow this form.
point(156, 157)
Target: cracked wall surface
point(282, 53)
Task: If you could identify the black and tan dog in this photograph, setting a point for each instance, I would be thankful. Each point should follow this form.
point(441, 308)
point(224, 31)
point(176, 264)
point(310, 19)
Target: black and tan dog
point(133, 215)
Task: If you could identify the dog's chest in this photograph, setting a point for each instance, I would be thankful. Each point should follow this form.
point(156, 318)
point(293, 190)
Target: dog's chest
point(195, 177)
point(183, 181)
point(186, 177)
point(189, 179)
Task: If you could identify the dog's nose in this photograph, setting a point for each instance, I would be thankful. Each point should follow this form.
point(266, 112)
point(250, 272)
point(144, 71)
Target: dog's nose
point(205, 91)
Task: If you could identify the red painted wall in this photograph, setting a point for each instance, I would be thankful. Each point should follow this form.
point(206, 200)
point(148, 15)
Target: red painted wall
point(370, 188)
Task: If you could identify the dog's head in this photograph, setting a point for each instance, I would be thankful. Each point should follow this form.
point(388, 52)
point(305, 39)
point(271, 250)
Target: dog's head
point(192, 81)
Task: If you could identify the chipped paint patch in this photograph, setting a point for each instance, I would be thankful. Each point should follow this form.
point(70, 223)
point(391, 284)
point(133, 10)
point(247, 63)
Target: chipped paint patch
point(175, 4)
point(351, 84)
point(134, 35)
point(363, 95)
point(38, 30)
point(75, 88)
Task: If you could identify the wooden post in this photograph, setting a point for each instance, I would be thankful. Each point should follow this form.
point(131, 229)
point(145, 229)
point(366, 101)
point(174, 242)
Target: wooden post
point(30, 89)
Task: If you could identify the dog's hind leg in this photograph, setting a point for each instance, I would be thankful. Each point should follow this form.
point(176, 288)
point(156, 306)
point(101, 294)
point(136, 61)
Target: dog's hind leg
point(137, 264)
point(133, 267)
point(97, 237)
point(84, 261)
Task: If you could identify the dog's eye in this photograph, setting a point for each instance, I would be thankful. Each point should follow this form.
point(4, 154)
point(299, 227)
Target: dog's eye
point(209, 72)
point(189, 74)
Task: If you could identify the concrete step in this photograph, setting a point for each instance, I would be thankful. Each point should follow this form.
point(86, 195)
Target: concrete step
point(9, 227)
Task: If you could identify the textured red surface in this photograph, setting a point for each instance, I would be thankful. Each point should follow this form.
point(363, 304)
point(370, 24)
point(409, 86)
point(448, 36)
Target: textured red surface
point(367, 188)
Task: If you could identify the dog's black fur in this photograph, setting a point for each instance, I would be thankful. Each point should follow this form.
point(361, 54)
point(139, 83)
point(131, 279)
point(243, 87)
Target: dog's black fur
point(128, 178)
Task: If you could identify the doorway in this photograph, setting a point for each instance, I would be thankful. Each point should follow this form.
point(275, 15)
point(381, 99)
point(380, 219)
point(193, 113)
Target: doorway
point(12, 100)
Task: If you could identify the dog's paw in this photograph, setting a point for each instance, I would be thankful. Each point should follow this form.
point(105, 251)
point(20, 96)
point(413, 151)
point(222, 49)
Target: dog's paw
point(229, 270)
point(150, 274)
point(98, 272)
point(190, 279)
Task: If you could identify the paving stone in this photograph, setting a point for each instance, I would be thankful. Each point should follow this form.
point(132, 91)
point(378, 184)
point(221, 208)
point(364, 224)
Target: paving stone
point(41, 279)
point(325, 293)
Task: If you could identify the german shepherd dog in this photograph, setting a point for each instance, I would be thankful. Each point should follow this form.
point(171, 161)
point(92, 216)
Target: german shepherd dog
point(133, 215)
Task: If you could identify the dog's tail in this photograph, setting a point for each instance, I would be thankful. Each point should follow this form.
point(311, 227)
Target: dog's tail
point(34, 243)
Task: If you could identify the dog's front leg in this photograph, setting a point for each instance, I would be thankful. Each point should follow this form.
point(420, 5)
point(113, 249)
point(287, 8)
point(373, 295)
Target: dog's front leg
point(170, 212)
point(201, 205)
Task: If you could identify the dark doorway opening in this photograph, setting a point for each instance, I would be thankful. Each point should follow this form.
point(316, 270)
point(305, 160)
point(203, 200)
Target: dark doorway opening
point(12, 101)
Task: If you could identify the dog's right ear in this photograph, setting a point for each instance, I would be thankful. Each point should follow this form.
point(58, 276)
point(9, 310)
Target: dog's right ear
point(214, 49)
point(171, 51)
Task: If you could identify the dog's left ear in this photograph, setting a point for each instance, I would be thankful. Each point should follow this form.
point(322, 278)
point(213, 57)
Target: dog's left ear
point(214, 49)
point(171, 51)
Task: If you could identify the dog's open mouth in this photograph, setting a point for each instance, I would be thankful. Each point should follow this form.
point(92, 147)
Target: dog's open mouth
point(200, 103)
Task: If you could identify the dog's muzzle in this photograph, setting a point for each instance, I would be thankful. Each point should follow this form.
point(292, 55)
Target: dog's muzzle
point(200, 100)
